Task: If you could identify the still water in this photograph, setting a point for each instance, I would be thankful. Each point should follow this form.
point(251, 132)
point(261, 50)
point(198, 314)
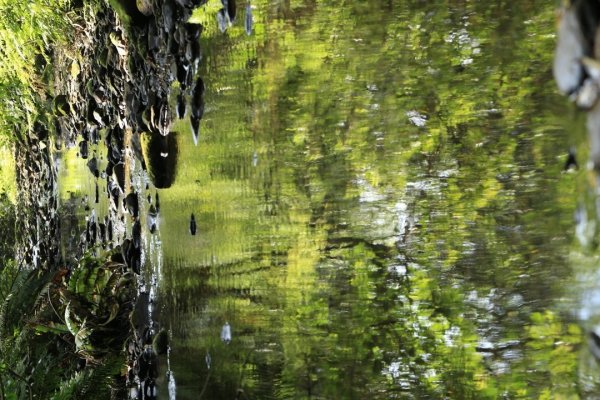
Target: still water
point(380, 209)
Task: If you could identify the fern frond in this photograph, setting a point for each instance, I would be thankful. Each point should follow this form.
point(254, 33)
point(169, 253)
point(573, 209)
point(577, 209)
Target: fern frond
point(92, 383)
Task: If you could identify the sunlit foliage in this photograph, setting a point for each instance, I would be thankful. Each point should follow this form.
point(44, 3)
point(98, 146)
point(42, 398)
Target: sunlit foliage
point(27, 32)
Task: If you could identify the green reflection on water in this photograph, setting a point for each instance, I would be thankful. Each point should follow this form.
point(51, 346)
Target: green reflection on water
point(380, 207)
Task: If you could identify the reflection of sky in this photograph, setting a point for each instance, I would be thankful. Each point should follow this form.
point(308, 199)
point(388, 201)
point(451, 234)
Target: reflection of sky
point(467, 45)
point(590, 298)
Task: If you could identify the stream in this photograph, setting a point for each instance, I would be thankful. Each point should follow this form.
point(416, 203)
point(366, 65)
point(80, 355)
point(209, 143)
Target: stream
point(342, 200)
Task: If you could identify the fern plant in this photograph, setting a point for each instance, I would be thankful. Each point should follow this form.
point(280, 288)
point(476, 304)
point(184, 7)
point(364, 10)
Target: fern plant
point(93, 383)
point(48, 323)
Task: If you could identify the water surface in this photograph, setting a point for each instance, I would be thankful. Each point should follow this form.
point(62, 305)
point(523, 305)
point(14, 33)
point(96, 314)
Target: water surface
point(381, 209)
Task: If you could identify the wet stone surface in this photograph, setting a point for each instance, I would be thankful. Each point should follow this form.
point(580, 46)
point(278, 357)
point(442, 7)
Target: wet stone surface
point(116, 93)
point(37, 210)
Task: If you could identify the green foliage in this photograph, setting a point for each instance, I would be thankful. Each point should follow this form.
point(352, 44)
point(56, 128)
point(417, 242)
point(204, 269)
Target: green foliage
point(7, 176)
point(27, 298)
point(27, 32)
point(46, 324)
point(96, 305)
point(7, 264)
point(96, 382)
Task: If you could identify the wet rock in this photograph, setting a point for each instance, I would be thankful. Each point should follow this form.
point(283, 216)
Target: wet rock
point(158, 115)
point(109, 169)
point(92, 164)
point(231, 9)
point(195, 123)
point(131, 255)
point(40, 130)
point(114, 191)
point(126, 247)
point(119, 173)
point(109, 231)
point(152, 219)
point(594, 342)
point(135, 92)
point(92, 133)
point(115, 144)
point(198, 99)
point(83, 149)
point(132, 204)
point(193, 31)
point(577, 33)
point(98, 118)
point(148, 364)
point(196, 55)
point(184, 74)
point(147, 334)
point(154, 40)
point(102, 228)
point(571, 162)
point(140, 318)
point(179, 37)
point(193, 44)
point(197, 108)
point(168, 16)
point(150, 391)
point(190, 4)
point(160, 154)
point(181, 106)
point(136, 234)
point(136, 146)
point(93, 232)
point(193, 225)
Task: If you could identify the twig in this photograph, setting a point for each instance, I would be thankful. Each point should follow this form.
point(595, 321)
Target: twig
point(239, 389)
point(205, 385)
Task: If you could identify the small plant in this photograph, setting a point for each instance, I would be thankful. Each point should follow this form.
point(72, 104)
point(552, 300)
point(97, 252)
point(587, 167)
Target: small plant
point(96, 304)
point(72, 324)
